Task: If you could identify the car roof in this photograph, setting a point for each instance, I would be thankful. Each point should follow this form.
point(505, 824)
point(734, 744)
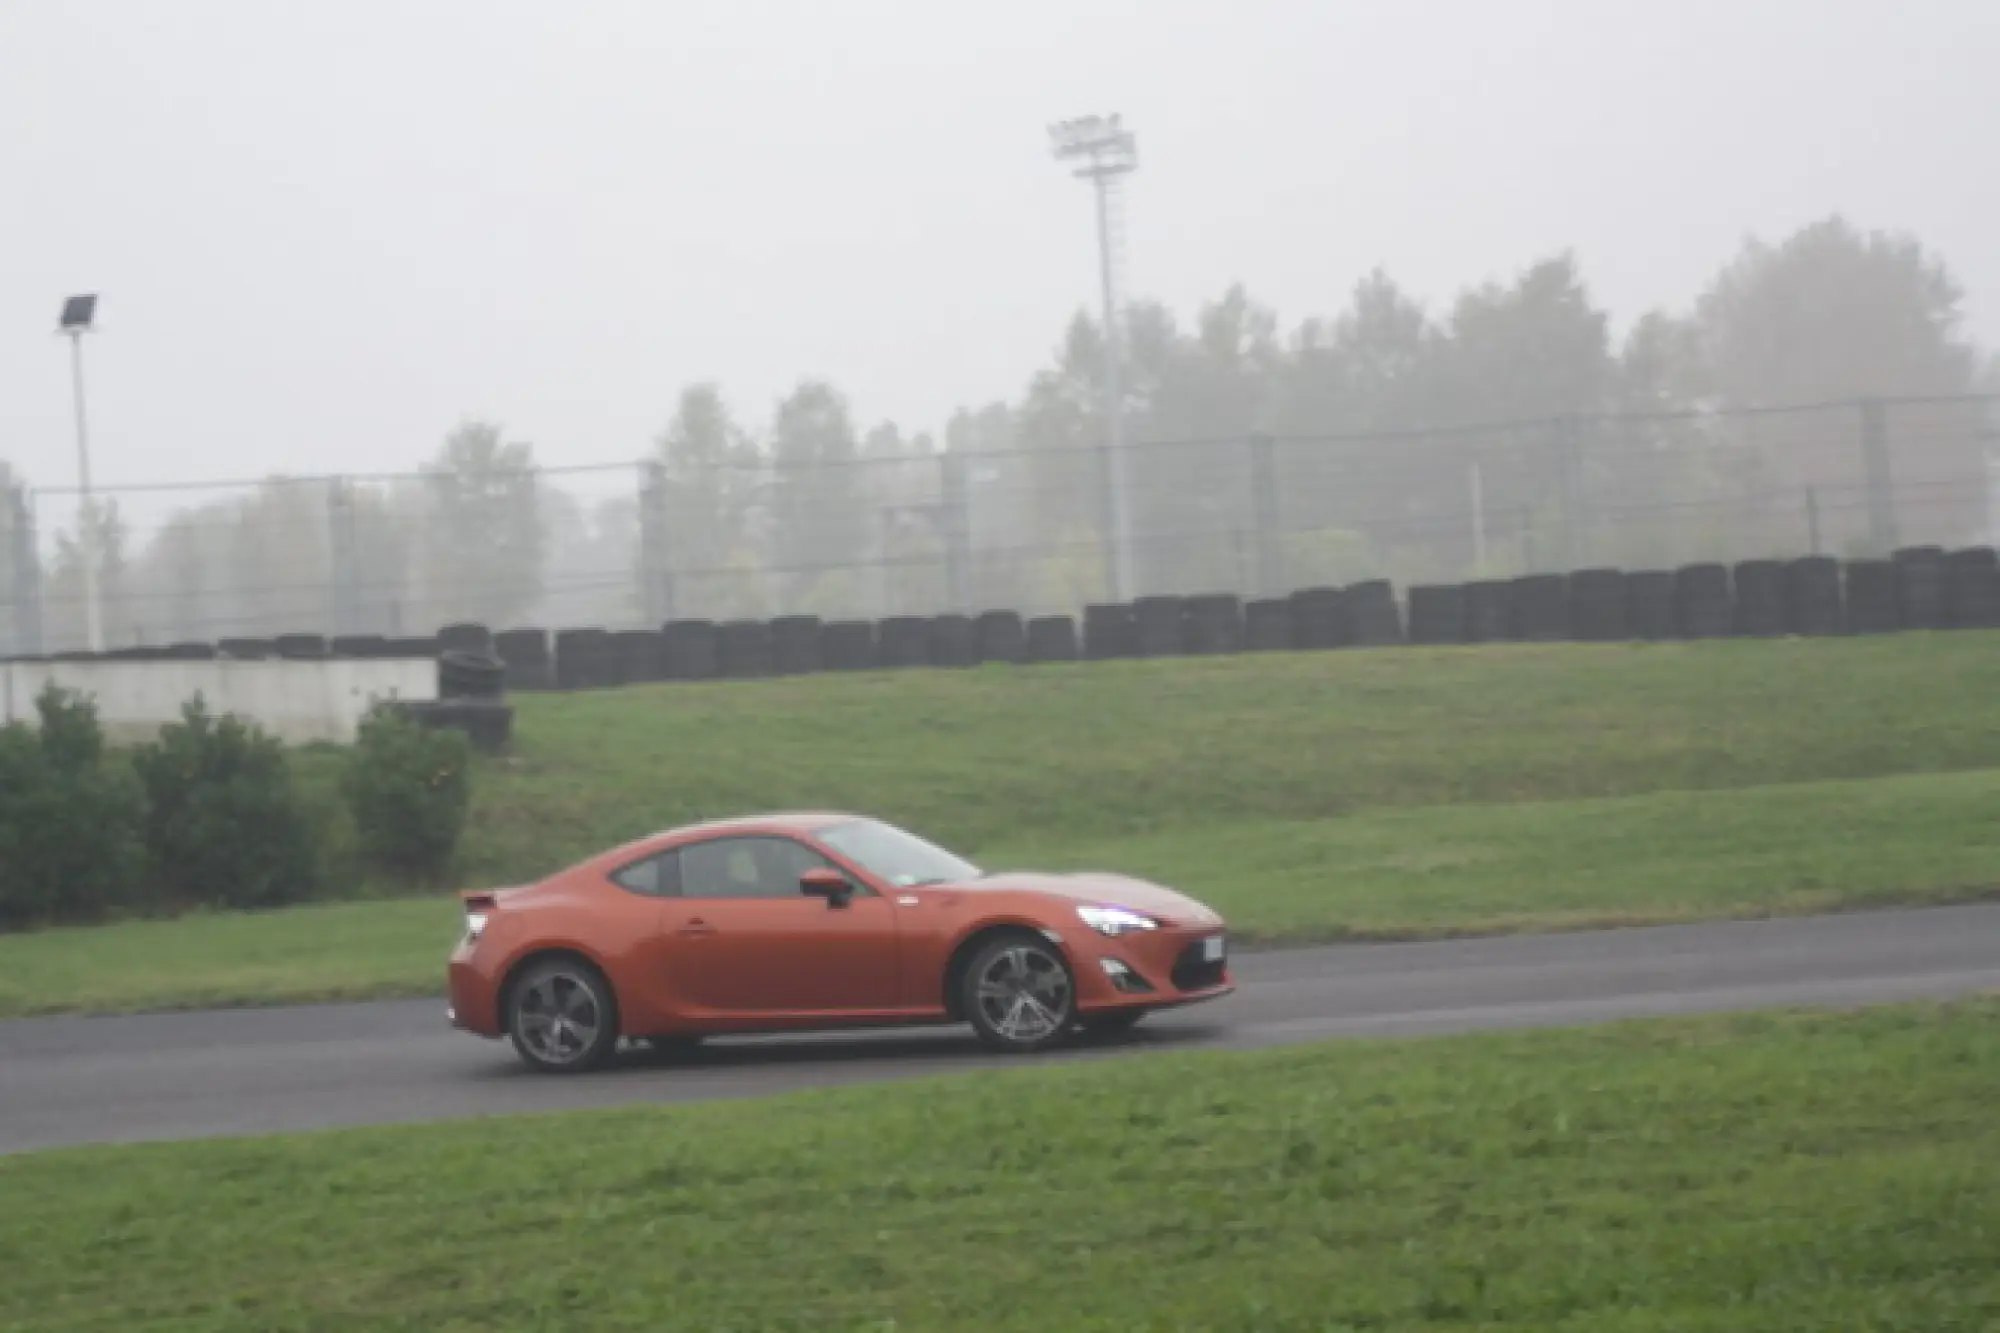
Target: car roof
point(781, 821)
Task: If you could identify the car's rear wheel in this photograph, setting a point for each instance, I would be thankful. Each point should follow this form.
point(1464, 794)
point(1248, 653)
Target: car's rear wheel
point(1019, 994)
point(562, 1017)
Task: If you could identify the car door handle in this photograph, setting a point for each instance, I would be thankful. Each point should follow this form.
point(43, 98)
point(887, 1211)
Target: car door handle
point(697, 927)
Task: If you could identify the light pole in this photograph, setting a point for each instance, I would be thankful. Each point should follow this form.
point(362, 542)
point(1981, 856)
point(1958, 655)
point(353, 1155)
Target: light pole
point(77, 314)
point(1106, 150)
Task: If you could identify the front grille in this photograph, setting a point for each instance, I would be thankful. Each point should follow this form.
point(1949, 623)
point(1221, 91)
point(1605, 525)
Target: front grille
point(1192, 973)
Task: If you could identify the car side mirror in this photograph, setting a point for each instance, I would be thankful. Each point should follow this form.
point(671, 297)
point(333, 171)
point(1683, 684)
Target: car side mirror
point(828, 884)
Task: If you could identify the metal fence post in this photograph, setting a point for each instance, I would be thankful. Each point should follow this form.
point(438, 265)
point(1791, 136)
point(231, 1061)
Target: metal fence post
point(342, 558)
point(656, 579)
point(1880, 478)
point(954, 492)
point(1264, 516)
point(1108, 527)
point(1569, 474)
point(26, 589)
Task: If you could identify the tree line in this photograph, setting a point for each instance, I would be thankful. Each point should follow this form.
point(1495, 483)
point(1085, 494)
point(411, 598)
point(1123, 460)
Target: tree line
point(1376, 411)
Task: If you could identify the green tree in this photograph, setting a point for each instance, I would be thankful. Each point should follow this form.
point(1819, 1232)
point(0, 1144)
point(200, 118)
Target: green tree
point(1834, 313)
point(485, 541)
point(408, 788)
point(224, 825)
point(712, 470)
point(70, 845)
point(821, 513)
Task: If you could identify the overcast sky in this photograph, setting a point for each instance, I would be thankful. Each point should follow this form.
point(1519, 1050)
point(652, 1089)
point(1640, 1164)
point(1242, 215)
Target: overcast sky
point(324, 232)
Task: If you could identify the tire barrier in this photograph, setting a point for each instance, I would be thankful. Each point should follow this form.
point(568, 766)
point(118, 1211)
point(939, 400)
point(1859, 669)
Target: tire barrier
point(1156, 626)
point(1917, 587)
point(1701, 601)
point(362, 646)
point(526, 655)
point(1649, 604)
point(1540, 608)
point(1109, 631)
point(465, 637)
point(1317, 619)
point(904, 641)
point(1437, 613)
point(1373, 620)
point(796, 646)
point(1871, 597)
point(1598, 605)
point(487, 723)
point(1000, 636)
point(470, 675)
point(1052, 639)
point(953, 643)
point(1760, 598)
point(1812, 596)
point(742, 649)
point(849, 645)
point(1211, 624)
point(688, 650)
point(1267, 625)
point(1972, 588)
point(638, 656)
point(1920, 575)
point(1489, 611)
point(583, 659)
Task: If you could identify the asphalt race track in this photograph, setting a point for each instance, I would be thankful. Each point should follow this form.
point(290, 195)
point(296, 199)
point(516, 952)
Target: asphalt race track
point(193, 1075)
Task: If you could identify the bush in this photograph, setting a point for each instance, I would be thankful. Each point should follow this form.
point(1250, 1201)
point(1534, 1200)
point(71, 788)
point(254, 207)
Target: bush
point(70, 825)
point(408, 787)
point(224, 825)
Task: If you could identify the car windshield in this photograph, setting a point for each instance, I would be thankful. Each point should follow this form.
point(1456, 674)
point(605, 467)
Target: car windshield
point(902, 859)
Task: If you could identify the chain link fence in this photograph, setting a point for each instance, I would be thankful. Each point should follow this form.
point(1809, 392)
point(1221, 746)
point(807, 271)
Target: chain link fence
point(636, 544)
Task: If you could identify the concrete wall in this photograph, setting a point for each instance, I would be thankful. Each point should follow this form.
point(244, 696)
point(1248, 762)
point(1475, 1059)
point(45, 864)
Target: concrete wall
point(297, 701)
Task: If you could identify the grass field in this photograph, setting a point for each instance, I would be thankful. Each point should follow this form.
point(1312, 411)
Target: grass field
point(1744, 1174)
point(1309, 796)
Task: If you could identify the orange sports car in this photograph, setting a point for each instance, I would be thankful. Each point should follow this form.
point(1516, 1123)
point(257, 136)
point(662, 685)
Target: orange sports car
point(814, 921)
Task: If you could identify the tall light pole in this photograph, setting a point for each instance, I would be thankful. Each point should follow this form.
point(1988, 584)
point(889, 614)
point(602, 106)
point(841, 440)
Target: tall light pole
point(1105, 150)
point(77, 314)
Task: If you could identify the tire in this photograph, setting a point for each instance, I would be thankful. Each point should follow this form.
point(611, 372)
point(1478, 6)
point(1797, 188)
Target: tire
point(586, 1029)
point(1005, 970)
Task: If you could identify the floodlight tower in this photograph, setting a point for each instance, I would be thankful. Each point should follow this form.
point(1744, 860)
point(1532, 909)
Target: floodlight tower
point(77, 314)
point(1104, 151)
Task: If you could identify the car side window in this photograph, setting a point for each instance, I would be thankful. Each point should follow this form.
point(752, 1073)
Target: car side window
point(655, 877)
point(755, 867)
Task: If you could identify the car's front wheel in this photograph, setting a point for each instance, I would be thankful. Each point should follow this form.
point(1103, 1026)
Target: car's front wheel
point(562, 1017)
point(1019, 994)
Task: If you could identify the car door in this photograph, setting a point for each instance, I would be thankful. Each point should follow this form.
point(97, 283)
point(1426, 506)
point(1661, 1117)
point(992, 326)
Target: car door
point(742, 941)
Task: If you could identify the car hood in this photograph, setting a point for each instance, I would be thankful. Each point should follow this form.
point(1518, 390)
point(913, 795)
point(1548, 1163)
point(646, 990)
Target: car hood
point(1105, 890)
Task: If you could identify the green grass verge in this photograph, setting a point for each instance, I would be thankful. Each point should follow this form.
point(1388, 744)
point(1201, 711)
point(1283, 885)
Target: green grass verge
point(1000, 756)
point(1668, 856)
point(1771, 1173)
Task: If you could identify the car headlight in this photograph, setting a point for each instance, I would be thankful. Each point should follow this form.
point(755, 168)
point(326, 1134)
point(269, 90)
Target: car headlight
point(1115, 920)
point(475, 923)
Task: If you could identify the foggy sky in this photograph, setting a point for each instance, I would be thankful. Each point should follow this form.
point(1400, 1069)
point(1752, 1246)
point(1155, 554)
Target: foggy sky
point(326, 232)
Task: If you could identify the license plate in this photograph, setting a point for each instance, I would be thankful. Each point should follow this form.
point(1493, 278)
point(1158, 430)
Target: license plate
point(1211, 950)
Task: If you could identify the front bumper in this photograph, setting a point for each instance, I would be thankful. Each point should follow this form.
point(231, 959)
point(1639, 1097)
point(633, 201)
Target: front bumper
point(1150, 969)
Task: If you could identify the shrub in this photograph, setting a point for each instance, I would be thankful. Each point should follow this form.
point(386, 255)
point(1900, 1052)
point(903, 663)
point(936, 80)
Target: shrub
point(224, 825)
point(408, 788)
point(70, 825)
